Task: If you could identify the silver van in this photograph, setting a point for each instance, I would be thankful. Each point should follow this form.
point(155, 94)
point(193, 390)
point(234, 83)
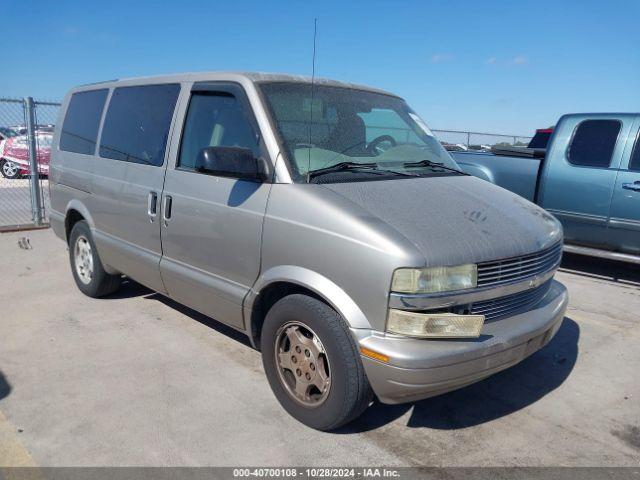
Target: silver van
point(322, 219)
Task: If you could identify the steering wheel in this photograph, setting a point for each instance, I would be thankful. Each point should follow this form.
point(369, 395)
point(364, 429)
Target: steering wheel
point(373, 144)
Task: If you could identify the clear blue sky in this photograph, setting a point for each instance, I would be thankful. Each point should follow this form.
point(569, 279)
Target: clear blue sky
point(496, 66)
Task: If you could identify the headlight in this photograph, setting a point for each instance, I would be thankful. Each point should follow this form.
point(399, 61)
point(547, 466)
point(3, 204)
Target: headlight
point(434, 325)
point(435, 279)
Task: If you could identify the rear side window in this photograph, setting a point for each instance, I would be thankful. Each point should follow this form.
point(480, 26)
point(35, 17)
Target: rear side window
point(137, 123)
point(80, 127)
point(593, 143)
point(634, 162)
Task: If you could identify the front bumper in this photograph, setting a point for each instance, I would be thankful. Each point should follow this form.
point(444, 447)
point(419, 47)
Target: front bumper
point(421, 368)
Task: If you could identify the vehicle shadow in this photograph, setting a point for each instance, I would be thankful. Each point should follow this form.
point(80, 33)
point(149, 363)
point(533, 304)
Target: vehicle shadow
point(5, 387)
point(203, 319)
point(495, 397)
point(600, 268)
point(130, 288)
point(241, 192)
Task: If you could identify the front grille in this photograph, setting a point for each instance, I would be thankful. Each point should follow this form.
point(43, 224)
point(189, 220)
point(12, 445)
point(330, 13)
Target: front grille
point(514, 269)
point(511, 304)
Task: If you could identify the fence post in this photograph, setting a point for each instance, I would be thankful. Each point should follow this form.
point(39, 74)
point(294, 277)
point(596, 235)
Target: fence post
point(34, 177)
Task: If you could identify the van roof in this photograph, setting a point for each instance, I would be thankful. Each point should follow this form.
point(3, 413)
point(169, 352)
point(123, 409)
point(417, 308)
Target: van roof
point(256, 77)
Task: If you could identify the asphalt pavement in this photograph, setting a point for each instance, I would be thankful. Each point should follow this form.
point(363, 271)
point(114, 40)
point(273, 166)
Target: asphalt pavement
point(136, 379)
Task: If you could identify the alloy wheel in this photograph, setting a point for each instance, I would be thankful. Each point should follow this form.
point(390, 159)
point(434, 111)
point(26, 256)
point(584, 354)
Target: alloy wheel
point(302, 364)
point(83, 257)
point(9, 169)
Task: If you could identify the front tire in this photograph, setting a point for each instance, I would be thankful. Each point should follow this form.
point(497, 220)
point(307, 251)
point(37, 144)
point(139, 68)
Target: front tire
point(88, 271)
point(313, 364)
point(9, 169)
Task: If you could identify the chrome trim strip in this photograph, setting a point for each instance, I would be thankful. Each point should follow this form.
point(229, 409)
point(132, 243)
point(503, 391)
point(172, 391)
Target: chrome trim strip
point(624, 223)
point(584, 217)
point(447, 299)
point(595, 252)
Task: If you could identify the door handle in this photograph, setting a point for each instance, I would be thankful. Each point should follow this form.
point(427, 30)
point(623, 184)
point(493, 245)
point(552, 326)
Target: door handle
point(166, 209)
point(635, 186)
point(152, 205)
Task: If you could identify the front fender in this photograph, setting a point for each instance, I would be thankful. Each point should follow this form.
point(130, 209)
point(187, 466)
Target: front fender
point(317, 283)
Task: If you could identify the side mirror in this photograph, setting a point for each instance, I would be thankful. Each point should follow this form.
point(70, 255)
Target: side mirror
point(234, 162)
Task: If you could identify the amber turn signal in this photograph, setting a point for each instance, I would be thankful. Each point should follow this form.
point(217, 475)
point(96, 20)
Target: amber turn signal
point(375, 355)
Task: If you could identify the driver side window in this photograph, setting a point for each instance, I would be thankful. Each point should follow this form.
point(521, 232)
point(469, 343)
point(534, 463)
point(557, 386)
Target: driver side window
point(215, 120)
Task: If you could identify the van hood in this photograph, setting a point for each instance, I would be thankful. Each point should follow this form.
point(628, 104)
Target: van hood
point(453, 220)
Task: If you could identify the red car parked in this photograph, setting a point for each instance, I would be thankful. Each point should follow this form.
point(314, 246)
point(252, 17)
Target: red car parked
point(14, 155)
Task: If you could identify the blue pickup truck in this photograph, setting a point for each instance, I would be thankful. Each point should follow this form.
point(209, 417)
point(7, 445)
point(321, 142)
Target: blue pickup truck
point(588, 177)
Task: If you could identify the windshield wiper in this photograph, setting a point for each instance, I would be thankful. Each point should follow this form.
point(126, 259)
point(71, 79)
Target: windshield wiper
point(429, 163)
point(343, 166)
point(354, 166)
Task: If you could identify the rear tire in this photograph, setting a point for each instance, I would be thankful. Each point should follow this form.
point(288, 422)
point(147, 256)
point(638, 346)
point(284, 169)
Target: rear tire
point(313, 364)
point(86, 267)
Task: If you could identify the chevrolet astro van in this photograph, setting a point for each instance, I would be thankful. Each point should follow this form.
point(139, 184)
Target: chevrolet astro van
point(322, 219)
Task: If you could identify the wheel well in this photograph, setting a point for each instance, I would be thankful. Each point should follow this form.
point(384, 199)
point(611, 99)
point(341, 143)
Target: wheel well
point(73, 217)
point(267, 297)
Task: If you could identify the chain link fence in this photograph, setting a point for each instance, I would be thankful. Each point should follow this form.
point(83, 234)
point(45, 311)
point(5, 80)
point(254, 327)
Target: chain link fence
point(26, 133)
point(463, 140)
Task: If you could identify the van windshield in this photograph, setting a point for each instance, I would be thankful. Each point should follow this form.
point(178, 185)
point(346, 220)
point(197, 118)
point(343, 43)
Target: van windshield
point(339, 134)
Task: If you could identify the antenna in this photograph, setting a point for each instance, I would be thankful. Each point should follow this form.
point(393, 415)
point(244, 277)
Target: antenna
point(313, 77)
point(313, 63)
